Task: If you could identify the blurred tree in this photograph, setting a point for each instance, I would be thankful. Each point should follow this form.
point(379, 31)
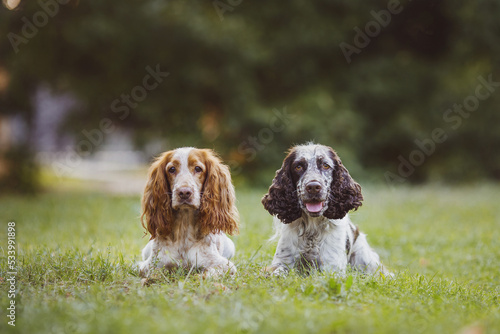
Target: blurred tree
point(233, 65)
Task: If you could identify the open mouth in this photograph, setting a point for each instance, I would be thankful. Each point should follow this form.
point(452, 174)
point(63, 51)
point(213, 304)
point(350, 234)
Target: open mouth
point(314, 207)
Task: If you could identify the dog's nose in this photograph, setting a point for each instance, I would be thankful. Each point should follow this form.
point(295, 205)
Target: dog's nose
point(184, 193)
point(313, 187)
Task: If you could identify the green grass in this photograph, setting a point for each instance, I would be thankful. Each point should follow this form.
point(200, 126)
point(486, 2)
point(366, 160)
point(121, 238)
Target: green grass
point(76, 253)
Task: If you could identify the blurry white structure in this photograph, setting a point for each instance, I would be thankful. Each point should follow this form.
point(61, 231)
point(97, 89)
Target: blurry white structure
point(113, 165)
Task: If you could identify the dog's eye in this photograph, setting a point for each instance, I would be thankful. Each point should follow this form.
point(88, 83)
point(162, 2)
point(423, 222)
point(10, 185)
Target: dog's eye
point(198, 169)
point(299, 168)
point(325, 166)
point(171, 170)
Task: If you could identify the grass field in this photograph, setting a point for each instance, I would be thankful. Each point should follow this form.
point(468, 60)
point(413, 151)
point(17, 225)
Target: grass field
point(76, 252)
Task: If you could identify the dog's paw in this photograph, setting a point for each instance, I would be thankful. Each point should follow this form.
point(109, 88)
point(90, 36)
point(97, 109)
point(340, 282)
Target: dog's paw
point(387, 274)
point(280, 272)
point(143, 268)
point(220, 271)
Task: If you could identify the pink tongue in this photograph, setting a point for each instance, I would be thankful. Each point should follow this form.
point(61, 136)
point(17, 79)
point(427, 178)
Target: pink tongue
point(314, 207)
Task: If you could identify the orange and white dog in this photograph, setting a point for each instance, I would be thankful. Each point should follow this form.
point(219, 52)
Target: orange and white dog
point(188, 207)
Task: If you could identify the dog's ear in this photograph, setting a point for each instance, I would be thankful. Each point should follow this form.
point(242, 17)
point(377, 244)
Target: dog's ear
point(281, 200)
point(218, 212)
point(345, 193)
point(156, 202)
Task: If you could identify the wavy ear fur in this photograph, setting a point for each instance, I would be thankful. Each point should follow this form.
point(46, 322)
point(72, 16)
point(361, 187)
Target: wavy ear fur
point(345, 193)
point(156, 202)
point(218, 212)
point(281, 199)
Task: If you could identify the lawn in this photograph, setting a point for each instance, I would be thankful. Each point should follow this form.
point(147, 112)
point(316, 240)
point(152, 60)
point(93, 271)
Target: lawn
point(76, 250)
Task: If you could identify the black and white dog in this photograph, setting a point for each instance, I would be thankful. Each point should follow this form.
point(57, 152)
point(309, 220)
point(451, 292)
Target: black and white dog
point(310, 197)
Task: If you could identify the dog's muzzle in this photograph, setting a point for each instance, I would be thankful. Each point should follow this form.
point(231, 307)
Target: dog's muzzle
point(314, 200)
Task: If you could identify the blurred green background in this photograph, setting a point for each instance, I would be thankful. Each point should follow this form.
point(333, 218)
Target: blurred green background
point(405, 91)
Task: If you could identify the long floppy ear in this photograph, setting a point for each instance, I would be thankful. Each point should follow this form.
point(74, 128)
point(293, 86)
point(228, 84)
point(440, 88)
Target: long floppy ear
point(156, 201)
point(218, 212)
point(281, 200)
point(345, 193)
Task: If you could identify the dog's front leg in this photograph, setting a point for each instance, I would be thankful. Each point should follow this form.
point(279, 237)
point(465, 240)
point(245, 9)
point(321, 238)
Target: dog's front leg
point(206, 256)
point(333, 253)
point(284, 258)
point(225, 246)
point(155, 255)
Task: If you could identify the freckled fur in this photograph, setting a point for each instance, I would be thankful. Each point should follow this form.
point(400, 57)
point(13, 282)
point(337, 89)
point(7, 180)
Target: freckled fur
point(326, 240)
